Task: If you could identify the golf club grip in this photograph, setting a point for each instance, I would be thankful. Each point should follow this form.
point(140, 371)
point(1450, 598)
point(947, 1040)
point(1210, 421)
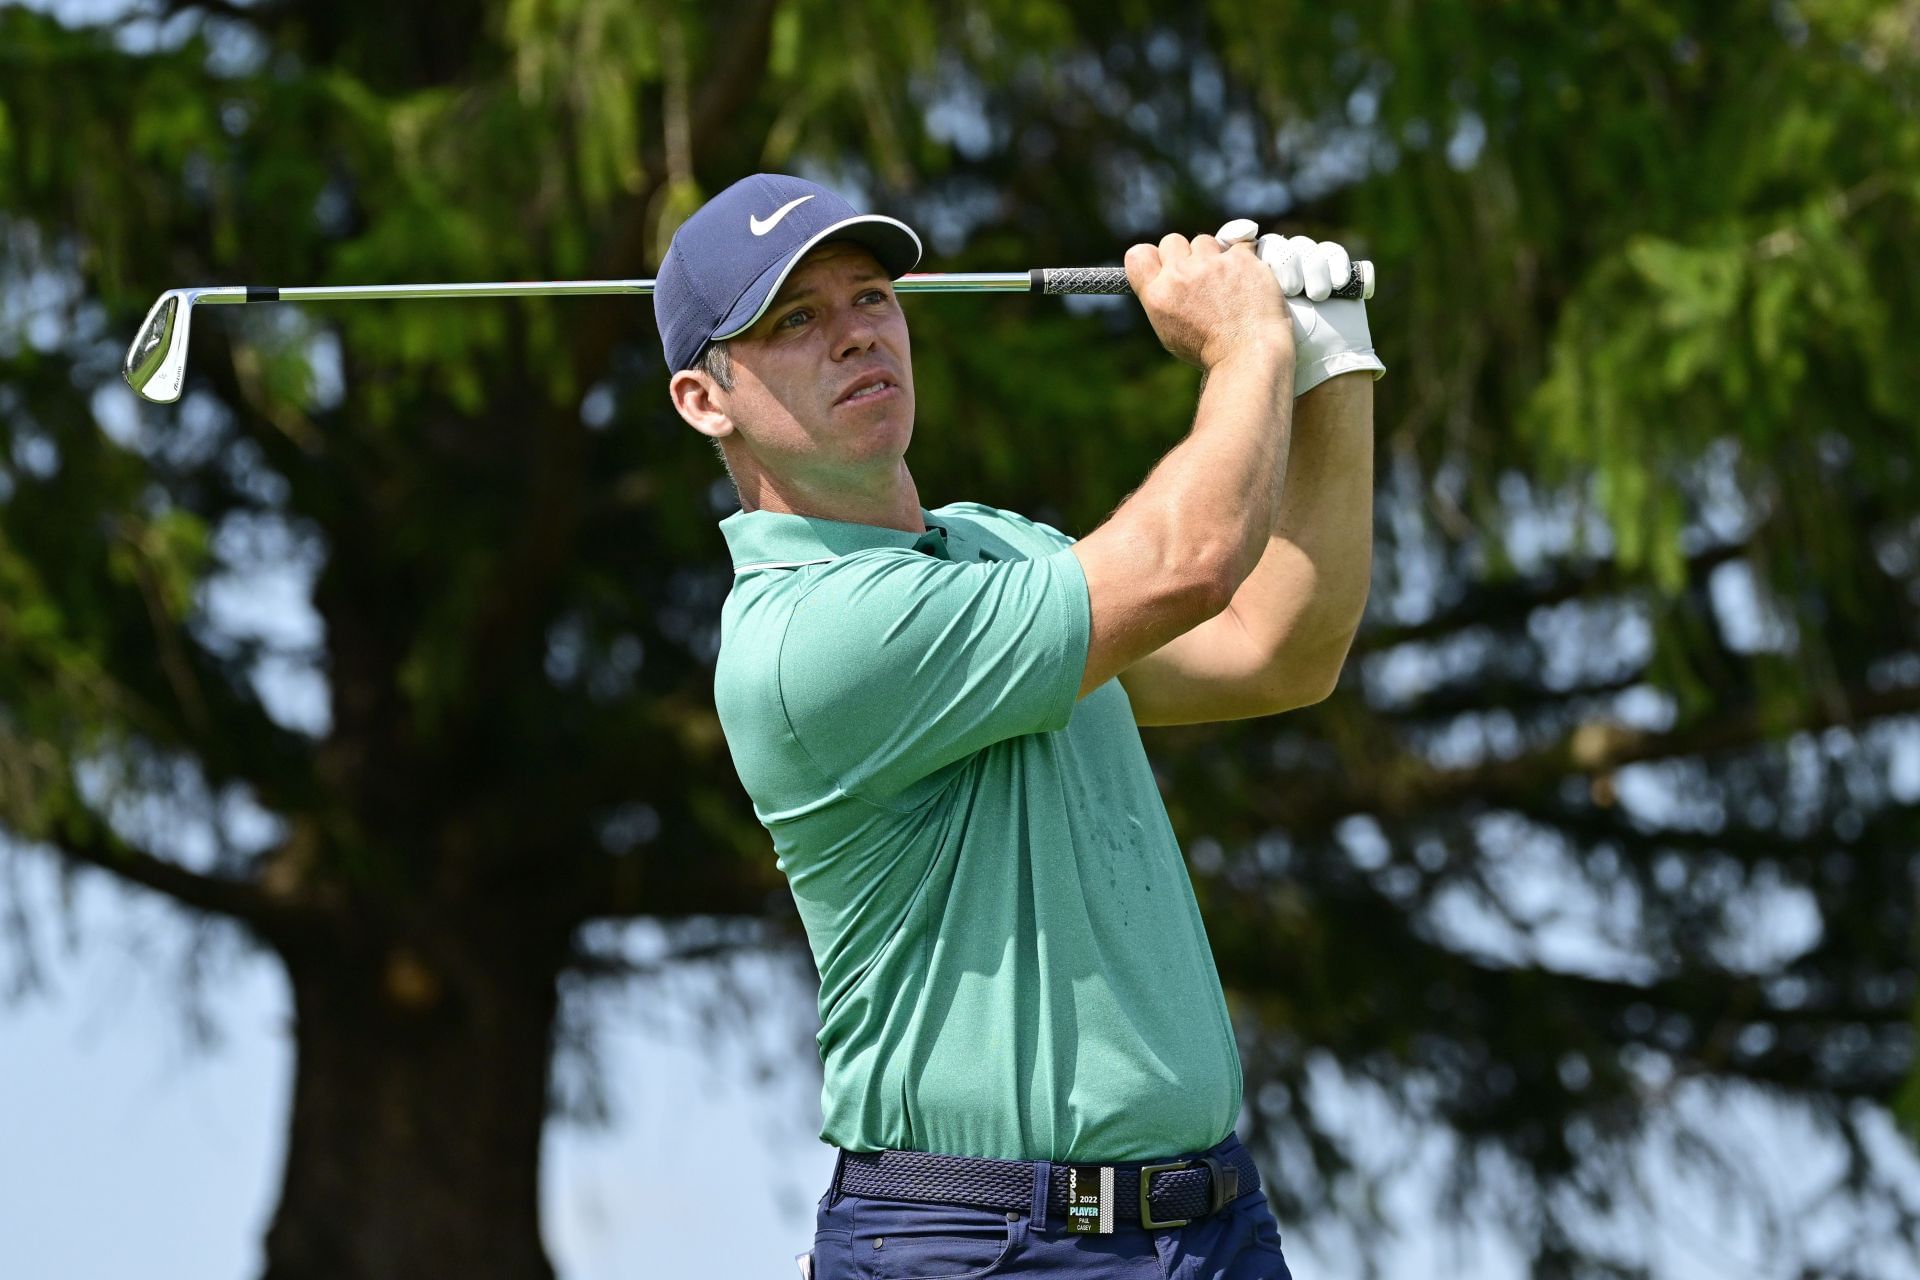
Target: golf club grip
point(1114, 280)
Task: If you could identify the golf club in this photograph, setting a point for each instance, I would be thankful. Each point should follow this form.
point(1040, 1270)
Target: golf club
point(156, 363)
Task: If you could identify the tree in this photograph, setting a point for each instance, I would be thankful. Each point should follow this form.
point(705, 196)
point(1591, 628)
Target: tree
point(1644, 619)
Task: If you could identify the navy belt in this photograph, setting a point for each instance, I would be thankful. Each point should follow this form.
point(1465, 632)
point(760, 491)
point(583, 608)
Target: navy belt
point(1154, 1195)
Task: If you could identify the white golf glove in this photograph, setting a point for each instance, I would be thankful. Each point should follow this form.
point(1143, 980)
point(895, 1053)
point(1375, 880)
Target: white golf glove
point(1330, 335)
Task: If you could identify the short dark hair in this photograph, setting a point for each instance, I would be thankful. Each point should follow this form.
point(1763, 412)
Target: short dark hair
point(716, 363)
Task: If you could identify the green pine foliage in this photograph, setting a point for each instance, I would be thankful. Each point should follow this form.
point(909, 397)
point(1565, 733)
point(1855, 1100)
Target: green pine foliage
point(1647, 587)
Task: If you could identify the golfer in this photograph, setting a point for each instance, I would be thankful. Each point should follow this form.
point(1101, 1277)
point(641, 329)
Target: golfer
point(1029, 1067)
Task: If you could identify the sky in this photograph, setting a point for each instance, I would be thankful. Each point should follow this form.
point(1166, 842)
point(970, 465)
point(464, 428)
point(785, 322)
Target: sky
point(127, 1151)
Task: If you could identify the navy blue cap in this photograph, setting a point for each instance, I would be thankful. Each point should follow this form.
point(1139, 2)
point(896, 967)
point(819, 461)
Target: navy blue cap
point(728, 260)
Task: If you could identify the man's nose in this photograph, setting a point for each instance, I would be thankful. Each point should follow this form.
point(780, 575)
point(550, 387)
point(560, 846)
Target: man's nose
point(857, 333)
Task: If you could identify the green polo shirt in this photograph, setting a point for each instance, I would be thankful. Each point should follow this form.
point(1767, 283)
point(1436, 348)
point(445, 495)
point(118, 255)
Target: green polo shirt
point(1012, 963)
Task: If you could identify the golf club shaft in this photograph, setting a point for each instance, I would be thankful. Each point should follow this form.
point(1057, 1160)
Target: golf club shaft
point(156, 363)
point(1058, 280)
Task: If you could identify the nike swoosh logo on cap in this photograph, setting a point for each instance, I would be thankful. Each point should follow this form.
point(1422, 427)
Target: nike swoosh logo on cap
point(761, 228)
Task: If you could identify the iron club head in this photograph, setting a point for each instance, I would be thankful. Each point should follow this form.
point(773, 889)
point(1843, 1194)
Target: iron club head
point(156, 363)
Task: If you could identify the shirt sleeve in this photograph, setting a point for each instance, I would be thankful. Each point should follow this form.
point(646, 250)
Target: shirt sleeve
point(1045, 530)
point(897, 664)
point(994, 515)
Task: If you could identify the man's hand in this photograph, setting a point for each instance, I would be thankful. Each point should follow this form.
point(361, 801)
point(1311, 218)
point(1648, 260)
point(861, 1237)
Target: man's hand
point(1208, 302)
point(1330, 335)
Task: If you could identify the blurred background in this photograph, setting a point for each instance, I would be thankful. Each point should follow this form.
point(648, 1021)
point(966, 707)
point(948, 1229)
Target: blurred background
point(376, 894)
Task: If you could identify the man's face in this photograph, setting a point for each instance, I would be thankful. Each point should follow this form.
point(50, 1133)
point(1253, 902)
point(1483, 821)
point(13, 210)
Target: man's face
point(802, 397)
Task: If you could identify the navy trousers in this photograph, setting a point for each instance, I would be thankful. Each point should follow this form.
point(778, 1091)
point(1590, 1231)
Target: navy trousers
point(856, 1238)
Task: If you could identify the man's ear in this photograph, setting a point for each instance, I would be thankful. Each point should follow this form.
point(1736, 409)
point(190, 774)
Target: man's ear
point(696, 396)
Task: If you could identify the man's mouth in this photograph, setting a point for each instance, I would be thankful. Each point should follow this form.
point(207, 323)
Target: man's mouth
point(877, 387)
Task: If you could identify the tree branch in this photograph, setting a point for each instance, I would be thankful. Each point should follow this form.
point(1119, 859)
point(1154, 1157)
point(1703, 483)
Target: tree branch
point(1510, 602)
point(601, 965)
point(250, 14)
point(738, 72)
point(1897, 827)
point(725, 88)
point(234, 899)
point(1408, 786)
point(672, 879)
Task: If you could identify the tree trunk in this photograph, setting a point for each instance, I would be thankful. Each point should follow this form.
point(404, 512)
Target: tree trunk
point(418, 1101)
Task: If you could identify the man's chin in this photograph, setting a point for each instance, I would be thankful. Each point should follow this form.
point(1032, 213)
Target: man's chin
point(894, 417)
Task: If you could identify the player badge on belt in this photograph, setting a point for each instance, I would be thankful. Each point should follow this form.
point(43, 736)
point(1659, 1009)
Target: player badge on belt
point(1090, 1200)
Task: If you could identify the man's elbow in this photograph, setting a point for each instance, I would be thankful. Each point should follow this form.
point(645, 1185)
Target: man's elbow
point(1322, 688)
point(1307, 676)
point(1297, 692)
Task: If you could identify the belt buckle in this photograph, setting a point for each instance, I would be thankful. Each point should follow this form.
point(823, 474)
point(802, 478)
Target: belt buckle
point(1146, 1203)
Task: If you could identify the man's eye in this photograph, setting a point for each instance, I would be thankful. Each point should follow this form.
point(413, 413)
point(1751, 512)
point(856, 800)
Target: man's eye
point(785, 320)
point(878, 295)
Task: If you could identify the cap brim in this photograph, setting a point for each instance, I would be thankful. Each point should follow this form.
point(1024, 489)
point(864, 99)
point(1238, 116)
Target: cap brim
point(891, 241)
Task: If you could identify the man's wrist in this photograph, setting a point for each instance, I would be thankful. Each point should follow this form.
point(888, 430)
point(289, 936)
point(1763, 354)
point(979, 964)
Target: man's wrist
point(1337, 390)
point(1315, 372)
point(1263, 353)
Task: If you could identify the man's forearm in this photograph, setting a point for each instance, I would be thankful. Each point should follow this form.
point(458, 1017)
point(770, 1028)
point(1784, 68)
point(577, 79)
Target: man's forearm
point(1303, 601)
point(1216, 497)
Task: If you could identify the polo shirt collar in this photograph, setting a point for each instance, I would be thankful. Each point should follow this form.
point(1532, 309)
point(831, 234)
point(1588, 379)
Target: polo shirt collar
point(779, 540)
